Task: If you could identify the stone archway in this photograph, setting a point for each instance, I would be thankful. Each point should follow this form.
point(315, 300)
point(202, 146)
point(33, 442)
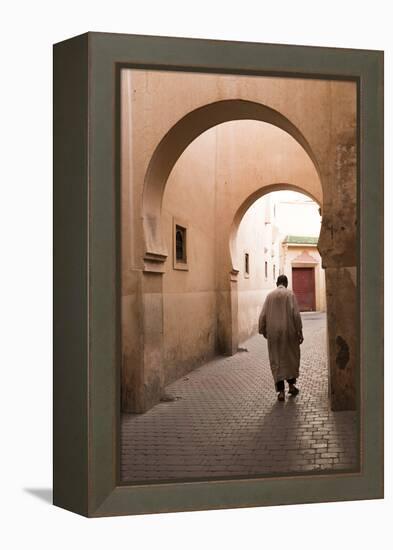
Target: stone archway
point(261, 192)
point(177, 140)
point(233, 312)
point(229, 307)
point(143, 383)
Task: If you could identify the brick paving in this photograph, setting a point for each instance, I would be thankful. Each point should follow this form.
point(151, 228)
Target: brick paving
point(226, 421)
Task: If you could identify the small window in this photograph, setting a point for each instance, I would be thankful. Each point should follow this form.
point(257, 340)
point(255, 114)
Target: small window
point(246, 263)
point(274, 272)
point(181, 255)
point(180, 245)
point(265, 270)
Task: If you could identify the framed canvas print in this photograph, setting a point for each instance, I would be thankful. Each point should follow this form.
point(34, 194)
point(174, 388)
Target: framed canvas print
point(218, 274)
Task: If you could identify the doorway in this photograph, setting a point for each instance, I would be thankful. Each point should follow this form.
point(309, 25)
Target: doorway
point(303, 285)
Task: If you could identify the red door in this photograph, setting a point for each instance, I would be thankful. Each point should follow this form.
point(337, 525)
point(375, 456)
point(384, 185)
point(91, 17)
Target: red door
point(303, 285)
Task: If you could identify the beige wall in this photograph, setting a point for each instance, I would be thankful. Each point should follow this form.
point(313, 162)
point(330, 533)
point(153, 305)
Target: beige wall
point(190, 317)
point(322, 111)
point(213, 175)
point(303, 135)
point(258, 236)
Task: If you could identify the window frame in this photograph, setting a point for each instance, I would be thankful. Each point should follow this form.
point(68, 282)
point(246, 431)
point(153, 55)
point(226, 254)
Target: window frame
point(180, 265)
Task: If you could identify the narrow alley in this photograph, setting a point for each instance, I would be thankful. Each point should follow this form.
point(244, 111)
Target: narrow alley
point(225, 421)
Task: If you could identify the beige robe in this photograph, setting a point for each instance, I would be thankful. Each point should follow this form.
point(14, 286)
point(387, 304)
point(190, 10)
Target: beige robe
point(281, 324)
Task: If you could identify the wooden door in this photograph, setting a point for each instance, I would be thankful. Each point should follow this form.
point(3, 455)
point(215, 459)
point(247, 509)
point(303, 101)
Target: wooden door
point(303, 285)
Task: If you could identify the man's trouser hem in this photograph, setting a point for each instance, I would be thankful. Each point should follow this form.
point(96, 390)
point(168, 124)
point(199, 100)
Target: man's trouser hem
point(280, 385)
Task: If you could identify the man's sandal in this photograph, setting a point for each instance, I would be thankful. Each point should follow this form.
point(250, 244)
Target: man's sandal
point(281, 396)
point(293, 390)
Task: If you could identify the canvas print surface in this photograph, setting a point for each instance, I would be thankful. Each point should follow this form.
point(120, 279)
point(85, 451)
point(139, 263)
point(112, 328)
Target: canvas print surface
point(239, 255)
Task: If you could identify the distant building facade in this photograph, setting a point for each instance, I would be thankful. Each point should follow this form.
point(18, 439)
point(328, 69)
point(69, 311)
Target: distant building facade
point(301, 262)
point(299, 220)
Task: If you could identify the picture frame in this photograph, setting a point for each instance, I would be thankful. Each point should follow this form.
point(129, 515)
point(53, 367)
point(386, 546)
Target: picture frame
point(86, 384)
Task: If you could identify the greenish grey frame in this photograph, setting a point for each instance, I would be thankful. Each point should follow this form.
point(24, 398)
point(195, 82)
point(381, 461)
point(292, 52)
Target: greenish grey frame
point(86, 270)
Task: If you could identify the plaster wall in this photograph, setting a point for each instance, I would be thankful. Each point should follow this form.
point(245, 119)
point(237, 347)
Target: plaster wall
point(258, 237)
point(160, 114)
point(189, 297)
point(217, 172)
point(324, 112)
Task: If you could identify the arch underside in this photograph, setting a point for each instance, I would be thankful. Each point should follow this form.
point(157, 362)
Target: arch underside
point(251, 199)
point(180, 136)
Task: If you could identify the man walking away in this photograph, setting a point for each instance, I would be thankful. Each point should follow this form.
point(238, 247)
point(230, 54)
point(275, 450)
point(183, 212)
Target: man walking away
point(281, 324)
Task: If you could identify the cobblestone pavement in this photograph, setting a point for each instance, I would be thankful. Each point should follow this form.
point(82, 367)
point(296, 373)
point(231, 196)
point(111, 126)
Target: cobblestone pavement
point(226, 421)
